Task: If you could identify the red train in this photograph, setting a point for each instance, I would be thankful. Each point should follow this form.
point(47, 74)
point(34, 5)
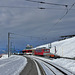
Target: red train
point(27, 51)
point(39, 52)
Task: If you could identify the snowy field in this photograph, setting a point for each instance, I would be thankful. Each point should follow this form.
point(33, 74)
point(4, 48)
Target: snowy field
point(12, 65)
point(65, 48)
point(66, 63)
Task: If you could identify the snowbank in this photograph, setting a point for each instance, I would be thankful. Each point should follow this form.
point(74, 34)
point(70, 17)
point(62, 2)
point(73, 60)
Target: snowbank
point(12, 65)
point(66, 63)
point(65, 48)
point(4, 56)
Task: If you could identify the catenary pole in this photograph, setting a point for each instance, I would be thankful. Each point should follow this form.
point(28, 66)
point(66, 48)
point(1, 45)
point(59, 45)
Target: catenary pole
point(8, 44)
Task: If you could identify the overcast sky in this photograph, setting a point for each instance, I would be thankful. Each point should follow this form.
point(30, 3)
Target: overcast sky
point(23, 18)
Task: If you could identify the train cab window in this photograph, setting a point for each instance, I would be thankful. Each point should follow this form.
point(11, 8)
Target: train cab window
point(39, 50)
point(30, 51)
point(46, 50)
point(24, 51)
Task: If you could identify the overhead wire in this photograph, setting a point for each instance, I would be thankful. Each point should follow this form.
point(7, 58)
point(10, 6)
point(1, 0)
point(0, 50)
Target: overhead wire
point(48, 3)
point(31, 7)
point(53, 4)
point(29, 36)
point(45, 8)
point(15, 7)
point(38, 40)
point(58, 5)
point(60, 19)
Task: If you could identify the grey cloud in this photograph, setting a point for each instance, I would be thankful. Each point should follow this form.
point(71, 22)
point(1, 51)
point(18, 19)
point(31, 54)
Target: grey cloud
point(35, 22)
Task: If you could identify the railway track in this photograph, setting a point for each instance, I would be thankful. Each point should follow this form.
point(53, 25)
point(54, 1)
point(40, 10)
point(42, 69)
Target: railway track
point(50, 68)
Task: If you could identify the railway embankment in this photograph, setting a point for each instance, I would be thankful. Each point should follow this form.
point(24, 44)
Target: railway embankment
point(68, 58)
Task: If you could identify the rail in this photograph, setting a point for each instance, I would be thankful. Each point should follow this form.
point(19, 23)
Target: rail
point(54, 68)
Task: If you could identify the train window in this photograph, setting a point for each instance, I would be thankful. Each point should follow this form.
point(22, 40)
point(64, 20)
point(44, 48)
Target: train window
point(30, 51)
point(38, 50)
point(46, 50)
point(24, 51)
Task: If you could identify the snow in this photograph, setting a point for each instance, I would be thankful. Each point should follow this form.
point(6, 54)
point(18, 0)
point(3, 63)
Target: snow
point(4, 56)
point(12, 65)
point(65, 63)
point(39, 73)
point(65, 48)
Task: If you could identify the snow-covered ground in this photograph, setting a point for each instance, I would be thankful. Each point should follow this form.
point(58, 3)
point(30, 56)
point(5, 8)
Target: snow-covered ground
point(65, 63)
point(12, 65)
point(65, 48)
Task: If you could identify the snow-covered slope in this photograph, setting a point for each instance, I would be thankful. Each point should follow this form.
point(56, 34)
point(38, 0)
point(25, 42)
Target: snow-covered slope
point(65, 48)
point(12, 65)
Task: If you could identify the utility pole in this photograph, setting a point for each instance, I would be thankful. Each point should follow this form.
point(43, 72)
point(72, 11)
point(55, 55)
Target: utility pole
point(55, 49)
point(8, 44)
point(11, 48)
point(49, 45)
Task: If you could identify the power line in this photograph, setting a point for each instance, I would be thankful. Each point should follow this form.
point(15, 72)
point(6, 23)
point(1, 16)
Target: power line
point(22, 7)
point(48, 3)
point(32, 7)
point(15, 7)
point(60, 18)
point(30, 36)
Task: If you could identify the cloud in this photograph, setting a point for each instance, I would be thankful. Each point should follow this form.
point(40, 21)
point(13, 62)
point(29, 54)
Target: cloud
point(35, 22)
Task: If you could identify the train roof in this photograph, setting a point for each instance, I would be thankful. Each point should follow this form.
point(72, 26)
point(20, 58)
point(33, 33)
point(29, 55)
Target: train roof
point(28, 49)
point(42, 48)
